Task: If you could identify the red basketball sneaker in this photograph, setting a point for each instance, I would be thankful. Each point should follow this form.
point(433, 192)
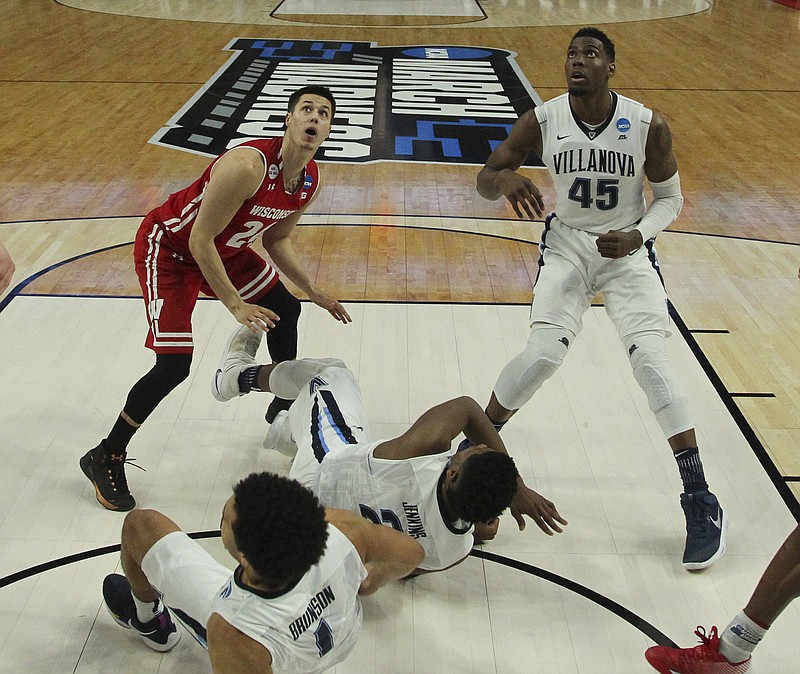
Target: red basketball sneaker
point(702, 659)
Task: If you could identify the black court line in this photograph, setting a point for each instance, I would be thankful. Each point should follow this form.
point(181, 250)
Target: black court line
point(471, 303)
point(76, 219)
point(736, 414)
point(601, 600)
point(93, 82)
point(79, 557)
point(418, 216)
point(733, 394)
point(710, 332)
point(792, 478)
point(711, 91)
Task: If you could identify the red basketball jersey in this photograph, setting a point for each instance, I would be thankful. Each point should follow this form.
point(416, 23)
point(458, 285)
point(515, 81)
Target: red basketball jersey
point(267, 206)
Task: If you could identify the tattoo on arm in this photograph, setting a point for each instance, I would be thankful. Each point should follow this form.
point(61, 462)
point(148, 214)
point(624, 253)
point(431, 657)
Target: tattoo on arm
point(663, 140)
point(660, 162)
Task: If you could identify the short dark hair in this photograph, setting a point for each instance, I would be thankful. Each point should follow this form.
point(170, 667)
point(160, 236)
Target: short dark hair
point(314, 90)
point(279, 527)
point(486, 485)
point(597, 34)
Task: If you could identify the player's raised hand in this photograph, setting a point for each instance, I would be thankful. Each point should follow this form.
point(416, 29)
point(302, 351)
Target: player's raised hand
point(538, 508)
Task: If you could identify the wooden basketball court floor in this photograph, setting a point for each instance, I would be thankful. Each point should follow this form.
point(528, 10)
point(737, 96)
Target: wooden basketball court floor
point(437, 281)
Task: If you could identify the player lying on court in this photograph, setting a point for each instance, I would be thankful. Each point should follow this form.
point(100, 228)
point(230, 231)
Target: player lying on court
point(201, 239)
point(291, 605)
point(416, 482)
point(599, 147)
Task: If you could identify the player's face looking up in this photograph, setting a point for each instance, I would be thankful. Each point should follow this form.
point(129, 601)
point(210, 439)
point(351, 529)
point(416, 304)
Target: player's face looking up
point(310, 122)
point(587, 67)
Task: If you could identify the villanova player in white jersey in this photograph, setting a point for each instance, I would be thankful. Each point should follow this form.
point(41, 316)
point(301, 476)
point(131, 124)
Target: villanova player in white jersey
point(599, 147)
point(416, 483)
point(292, 604)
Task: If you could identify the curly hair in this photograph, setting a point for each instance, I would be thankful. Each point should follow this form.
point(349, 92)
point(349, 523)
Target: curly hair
point(314, 90)
point(597, 34)
point(279, 526)
point(485, 487)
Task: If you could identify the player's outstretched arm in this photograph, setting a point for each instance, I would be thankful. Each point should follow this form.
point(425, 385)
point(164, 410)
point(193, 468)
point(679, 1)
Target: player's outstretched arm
point(388, 554)
point(279, 245)
point(436, 429)
point(434, 432)
point(233, 652)
point(499, 176)
point(234, 178)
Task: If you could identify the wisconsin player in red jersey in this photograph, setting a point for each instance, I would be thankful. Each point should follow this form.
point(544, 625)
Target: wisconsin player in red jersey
point(199, 240)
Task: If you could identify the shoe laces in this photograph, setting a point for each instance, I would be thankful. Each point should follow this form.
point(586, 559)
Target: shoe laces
point(697, 514)
point(115, 465)
point(708, 648)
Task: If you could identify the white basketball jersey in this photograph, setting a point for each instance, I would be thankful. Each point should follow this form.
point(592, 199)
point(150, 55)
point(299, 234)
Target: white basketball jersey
point(314, 625)
point(598, 173)
point(403, 494)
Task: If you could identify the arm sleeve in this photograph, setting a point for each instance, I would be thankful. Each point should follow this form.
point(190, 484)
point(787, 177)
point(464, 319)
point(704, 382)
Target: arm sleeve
point(664, 209)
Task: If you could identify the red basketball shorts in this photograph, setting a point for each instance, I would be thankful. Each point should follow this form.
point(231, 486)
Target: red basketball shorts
point(171, 284)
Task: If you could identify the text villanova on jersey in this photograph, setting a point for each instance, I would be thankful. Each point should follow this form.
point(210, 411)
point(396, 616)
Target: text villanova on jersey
point(434, 104)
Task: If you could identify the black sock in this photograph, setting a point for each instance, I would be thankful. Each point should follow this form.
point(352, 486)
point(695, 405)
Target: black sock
point(119, 437)
point(466, 443)
point(248, 379)
point(498, 425)
point(691, 470)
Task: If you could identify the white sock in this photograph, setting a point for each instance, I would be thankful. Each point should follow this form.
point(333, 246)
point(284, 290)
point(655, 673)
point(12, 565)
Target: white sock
point(740, 638)
point(147, 610)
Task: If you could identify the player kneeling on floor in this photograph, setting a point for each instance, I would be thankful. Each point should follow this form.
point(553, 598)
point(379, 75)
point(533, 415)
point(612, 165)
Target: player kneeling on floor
point(292, 603)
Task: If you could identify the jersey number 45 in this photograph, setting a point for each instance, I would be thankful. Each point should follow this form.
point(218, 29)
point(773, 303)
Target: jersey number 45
point(606, 194)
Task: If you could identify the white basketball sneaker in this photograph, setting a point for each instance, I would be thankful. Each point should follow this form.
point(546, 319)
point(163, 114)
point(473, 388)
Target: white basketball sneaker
point(279, 435)
point(239, 354)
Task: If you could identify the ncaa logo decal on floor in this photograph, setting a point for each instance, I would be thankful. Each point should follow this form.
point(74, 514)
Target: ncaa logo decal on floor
point(434, 104)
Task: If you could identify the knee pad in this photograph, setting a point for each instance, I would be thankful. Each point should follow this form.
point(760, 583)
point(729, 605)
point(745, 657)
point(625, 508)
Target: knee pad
point(525, 374)
point(290, 377)
point(654, 374)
